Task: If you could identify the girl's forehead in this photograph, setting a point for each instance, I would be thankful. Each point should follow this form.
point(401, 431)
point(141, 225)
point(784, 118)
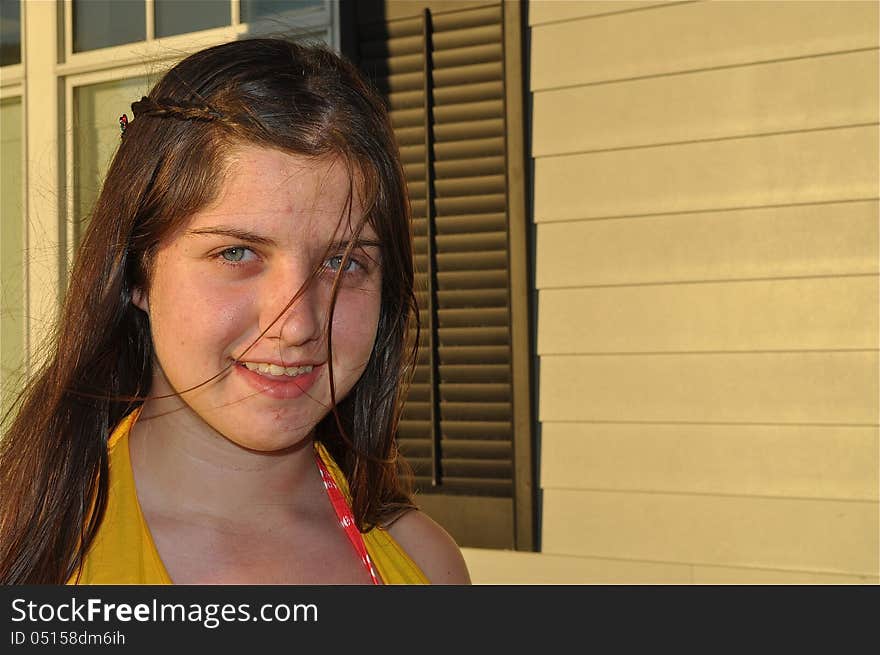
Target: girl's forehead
point(261, 174)
point(270, 190)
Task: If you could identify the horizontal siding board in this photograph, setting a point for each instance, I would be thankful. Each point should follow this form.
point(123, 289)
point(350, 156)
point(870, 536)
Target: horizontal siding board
point(834, 463)
point(720, 575)
point(797, 387)
point(549, 11)
point(804, 314)
point(826, 239)
point(811, 535)
point(626, 45)
point(507, 567)
point(787, 96)
point(804, 167)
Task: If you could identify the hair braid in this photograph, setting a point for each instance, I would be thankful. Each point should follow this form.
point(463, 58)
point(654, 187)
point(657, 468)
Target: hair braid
point(183, 110)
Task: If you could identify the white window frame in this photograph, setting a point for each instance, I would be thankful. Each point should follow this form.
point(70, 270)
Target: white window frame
point(11, 87)
point(46, 81)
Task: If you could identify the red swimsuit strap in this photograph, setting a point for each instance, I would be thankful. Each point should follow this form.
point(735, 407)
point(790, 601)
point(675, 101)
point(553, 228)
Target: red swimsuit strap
point(346, 518)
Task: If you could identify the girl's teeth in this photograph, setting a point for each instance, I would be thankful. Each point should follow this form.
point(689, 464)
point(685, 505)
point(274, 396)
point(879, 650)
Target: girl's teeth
point(274, 369)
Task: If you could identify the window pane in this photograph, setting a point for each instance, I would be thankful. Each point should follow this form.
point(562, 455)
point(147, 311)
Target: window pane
point(102, 23)
point(254, 9)
point(181, 16)
point(12, 323)
point(10, 32)
point(96, 112)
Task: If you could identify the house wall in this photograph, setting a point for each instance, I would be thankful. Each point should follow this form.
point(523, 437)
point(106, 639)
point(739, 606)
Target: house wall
point(706, 210)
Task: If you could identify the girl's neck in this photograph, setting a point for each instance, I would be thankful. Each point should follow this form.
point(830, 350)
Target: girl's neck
point(183, 465)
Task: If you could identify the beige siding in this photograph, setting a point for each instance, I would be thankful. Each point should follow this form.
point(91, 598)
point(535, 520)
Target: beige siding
point(800, 314)
point(707, 274)
point(511, 567)
point(652, 41)
point(791, 461)
point(799, 241)
point(799, 168)
point(719, 103)
point(823, 387)
point(811, 535)
point(552, 11)
point(730, 575)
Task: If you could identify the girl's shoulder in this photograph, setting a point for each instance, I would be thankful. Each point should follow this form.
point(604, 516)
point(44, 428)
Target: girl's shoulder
point(431, 547)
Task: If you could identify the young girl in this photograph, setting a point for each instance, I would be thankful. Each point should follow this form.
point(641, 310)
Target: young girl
point(221, 401)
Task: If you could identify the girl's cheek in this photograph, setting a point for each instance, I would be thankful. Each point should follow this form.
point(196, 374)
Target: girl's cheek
point(357, 311)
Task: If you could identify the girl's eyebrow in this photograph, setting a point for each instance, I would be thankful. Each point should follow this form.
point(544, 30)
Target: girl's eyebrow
point(251, 237)
point(360, 243)
point(235, 233)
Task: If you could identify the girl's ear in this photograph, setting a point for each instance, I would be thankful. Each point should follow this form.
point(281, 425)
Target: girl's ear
point(139, 298)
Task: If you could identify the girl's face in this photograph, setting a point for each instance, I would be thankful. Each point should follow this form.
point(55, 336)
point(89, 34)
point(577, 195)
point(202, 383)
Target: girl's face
point(231, 270)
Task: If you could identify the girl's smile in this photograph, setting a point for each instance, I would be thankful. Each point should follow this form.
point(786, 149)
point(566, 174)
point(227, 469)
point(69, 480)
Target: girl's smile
point(280, 380)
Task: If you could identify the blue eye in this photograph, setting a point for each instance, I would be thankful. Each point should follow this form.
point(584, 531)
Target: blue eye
point(234, 255)
point(334, 264)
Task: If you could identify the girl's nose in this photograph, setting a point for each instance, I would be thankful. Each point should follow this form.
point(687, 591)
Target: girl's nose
point(300, 321)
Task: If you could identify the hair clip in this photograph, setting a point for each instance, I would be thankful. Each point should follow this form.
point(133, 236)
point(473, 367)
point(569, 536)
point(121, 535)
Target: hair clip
point(123, 123)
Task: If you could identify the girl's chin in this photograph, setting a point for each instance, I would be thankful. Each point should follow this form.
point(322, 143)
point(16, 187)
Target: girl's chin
point(273, 446)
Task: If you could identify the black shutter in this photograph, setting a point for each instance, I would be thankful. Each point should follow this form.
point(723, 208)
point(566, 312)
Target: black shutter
point(443, 76)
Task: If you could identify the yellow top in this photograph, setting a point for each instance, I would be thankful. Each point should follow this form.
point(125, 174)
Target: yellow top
point(123, 551)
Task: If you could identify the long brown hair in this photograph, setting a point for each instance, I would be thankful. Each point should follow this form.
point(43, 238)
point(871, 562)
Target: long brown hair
point(303, 100)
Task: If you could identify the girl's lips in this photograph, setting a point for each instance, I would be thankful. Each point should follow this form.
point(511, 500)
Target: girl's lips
point(280, 386)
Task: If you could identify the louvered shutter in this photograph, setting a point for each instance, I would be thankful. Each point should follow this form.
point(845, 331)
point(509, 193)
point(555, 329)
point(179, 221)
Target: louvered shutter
point(443, 76)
